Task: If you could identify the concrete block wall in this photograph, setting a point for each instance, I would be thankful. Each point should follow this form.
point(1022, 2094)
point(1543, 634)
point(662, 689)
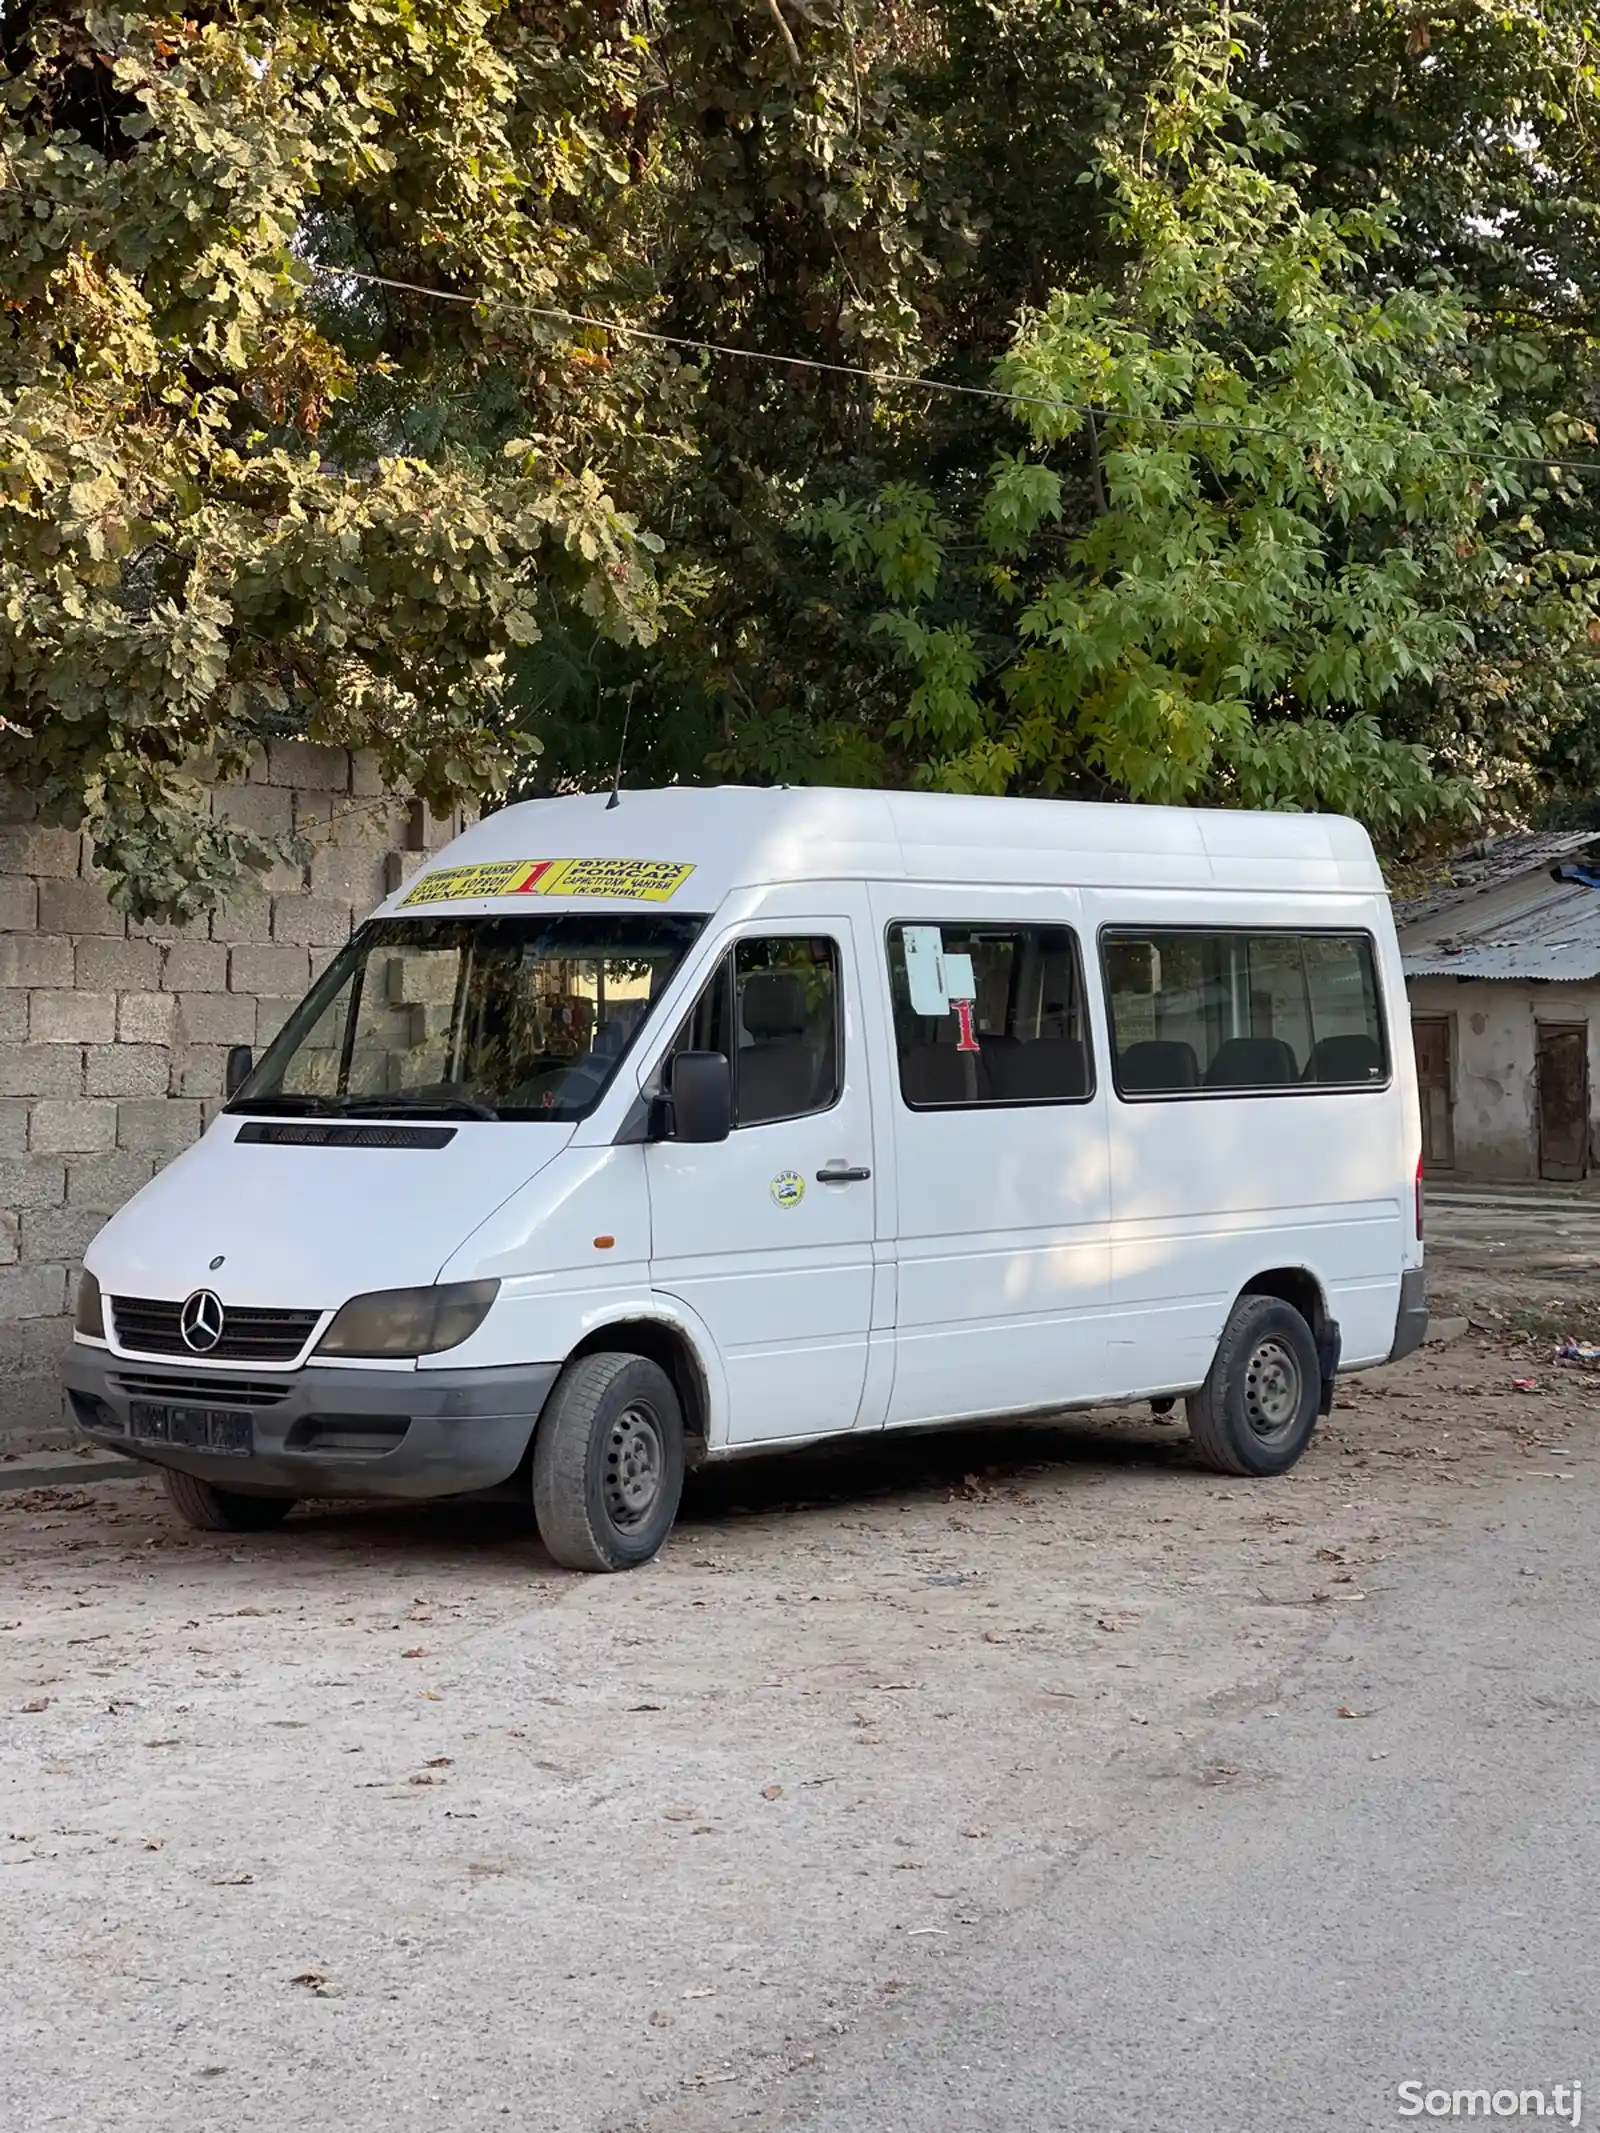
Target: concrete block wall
point(113, 1035)
point(1494, 1045)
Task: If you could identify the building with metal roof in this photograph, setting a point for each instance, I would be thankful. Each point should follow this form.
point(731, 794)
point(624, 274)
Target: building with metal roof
point(1502, 964)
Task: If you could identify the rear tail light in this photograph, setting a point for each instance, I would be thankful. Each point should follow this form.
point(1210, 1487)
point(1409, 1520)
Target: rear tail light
point(1419, 1199)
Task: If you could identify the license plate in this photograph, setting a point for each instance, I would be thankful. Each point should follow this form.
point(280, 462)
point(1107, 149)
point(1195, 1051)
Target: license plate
point(205, 1429)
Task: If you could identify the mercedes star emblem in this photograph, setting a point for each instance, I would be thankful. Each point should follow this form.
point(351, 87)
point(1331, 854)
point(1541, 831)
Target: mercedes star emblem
point(200, 1321)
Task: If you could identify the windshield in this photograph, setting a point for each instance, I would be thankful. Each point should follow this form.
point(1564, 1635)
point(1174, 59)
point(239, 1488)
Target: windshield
point(515, 1017)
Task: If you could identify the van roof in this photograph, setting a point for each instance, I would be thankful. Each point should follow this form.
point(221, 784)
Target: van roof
point(688, 846)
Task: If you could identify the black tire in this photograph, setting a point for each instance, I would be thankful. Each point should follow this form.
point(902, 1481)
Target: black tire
point(214, 1510)
point(1258, 1406)
point(608, 1463)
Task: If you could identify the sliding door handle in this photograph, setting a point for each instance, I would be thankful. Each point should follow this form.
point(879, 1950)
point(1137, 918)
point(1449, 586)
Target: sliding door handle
point(842, 1173)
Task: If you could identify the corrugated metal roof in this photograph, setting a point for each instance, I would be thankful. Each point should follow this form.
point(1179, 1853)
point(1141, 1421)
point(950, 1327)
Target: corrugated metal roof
point(1491, 865)
point(1559, 937)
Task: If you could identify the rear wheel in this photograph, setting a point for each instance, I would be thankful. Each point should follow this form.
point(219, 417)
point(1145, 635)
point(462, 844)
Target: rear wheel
point(1258, 1406)
point(213, 1510)
point(608, 1463)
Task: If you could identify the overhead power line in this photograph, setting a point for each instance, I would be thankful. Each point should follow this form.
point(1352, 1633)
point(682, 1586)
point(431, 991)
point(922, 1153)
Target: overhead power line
point(918, 381)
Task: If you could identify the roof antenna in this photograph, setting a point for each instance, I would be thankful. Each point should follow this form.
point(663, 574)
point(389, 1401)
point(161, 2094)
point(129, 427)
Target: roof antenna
point(622, 749)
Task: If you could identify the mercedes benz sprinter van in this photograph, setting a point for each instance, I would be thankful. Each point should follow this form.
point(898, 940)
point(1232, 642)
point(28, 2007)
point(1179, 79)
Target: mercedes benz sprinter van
point(715, 1120)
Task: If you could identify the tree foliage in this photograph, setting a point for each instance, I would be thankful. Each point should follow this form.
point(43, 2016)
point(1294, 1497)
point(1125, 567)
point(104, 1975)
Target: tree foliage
point(1306, 553)
point(1265, 497)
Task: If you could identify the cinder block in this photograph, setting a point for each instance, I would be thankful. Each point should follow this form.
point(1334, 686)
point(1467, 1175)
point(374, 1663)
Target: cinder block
point(264, 810)
point(33, 1292)
point(437, 830)
point(72, 1017)
point(351, 874)
point(13, 1015)
point(32, 1181)
point(308, 767)
point(10, 1236)
point(314, 811)
point(60, 1233)
point(41, 1070)
point(106, 1181)
point(394, 871)
point(35, 959)
point(25, 848)
point(72, 1125)
point(274, 971)
point(215, 1018)
point(77, 907)
point(145, 1017)
point(284, 878)
point(14, 1114)
point(310, 921)
point(194, 966)
point(159, 1125)
point(157, 930)
point(117, 966)
point(19, 904)
point(126, 1070)
point(197, 1069)
point(38, 1344)
point(271, 1015)
point(248, 917)
point(366, 779)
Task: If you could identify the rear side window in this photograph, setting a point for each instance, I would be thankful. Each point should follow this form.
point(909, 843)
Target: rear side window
point(772, 1009)
point(988, 1014)
point(1196, 1014)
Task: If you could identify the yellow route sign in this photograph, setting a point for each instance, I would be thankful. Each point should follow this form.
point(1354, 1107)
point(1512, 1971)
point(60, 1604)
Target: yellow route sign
point(639, 881)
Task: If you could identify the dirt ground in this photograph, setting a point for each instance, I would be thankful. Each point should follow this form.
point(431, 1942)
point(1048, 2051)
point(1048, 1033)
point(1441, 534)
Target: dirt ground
point(380, 1820)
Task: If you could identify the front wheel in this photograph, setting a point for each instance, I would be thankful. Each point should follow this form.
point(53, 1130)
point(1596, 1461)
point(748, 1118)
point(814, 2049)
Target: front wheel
point(214, 1510)
point(1258, 1406)
point(608, 1463)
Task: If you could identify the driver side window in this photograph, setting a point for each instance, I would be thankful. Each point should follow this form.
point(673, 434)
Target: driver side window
point(772, 1009)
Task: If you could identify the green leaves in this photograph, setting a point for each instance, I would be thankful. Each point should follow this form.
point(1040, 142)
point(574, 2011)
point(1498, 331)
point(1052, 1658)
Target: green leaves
point(199, 548)
point(1240, 548)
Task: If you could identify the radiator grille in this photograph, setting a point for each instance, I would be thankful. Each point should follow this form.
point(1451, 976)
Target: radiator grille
point(151, 1326)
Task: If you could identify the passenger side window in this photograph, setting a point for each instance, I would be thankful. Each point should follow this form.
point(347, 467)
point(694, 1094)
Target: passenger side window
point(1193, 1012)
point(988, 1014)
point(772, 1009)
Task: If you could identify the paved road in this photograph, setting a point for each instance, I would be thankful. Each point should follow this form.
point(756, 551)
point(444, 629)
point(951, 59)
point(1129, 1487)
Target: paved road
point(1336, 1906)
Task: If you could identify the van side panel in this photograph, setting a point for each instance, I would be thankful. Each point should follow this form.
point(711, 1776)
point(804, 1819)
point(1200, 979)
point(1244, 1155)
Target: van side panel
point(1208, 1191)
point(1001, 1216)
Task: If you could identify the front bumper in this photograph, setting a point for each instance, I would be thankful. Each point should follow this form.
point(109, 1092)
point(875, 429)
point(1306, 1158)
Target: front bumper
point(407, 1433)
point(1411, 1320)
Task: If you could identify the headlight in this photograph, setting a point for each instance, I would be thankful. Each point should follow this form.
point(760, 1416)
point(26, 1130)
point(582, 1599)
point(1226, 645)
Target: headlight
point(90, 1316)
point(389, 1322)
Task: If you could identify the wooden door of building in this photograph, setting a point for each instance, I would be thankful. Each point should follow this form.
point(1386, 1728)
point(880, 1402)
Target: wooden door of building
point(1563, 1057)
point(1431, 1036)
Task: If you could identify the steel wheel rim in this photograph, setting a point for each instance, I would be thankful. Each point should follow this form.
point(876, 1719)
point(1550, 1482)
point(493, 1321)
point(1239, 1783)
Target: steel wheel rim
point(1274, 1386)
point(635, 1464)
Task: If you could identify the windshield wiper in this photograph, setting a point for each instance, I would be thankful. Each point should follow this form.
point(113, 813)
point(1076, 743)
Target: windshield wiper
point(288, 1106)
point(427, 1106)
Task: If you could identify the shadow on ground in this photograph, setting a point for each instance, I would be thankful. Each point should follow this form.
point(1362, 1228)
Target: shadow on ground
point(913, 1468)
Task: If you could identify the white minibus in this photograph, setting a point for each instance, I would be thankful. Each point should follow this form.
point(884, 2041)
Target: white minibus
point(635, 1134)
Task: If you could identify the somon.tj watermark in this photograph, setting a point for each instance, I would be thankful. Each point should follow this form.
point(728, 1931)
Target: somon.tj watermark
point(1419, 2099)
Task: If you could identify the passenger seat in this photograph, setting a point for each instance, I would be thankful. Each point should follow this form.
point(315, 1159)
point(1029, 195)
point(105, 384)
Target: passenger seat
point(777, 1070)
point(1157, 1064)
point(1252, 1063)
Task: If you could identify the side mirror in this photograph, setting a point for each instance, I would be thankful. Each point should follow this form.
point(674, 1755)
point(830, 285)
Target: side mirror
point(701, 1093)
point(237, 1068)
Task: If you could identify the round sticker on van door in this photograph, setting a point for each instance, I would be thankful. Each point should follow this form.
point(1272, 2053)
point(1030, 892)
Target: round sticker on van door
point(788, 1188)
